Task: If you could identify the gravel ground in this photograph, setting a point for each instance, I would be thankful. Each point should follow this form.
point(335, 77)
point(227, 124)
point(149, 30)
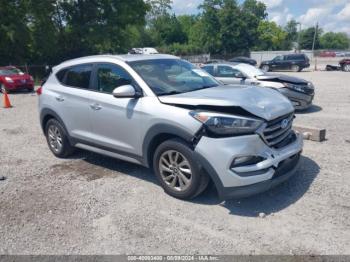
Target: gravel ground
point(91, 204)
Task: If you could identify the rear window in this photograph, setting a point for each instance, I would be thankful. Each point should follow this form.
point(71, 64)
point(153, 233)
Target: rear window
point(76, 76)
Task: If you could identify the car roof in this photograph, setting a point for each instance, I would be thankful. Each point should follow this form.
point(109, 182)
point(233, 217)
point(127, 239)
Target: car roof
point(110, 57)
point(7, 67)
point(225, 63)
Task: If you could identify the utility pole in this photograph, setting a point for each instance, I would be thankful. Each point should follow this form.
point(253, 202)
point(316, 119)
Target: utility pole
point(315, 34)
point(299, 36)
point(313, 46)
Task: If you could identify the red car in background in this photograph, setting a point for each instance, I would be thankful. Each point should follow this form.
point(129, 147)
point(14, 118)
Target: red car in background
point(327, 54)
point(11, 78)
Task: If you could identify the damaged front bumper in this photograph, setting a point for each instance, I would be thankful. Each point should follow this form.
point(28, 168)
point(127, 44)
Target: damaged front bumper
point(217, 156)
point(299, 100)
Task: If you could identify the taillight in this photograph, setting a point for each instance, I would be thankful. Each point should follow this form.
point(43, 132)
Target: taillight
point(39, 90)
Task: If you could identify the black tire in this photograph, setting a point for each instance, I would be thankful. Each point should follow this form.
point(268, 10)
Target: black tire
point(65, 149)
point(199, 178)
point(346, 68)
point(265, 68)
point(30, 90)
point(2, 88)
point(296, 68)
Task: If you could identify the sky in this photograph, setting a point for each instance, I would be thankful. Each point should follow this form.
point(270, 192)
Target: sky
point(332, 15)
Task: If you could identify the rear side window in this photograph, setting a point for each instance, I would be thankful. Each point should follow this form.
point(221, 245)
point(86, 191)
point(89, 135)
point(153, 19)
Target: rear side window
point(61, 74)
point(209, 69)
point(110, 77)
point(76, 76)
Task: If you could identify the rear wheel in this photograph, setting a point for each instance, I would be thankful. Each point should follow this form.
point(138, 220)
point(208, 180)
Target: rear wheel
point(57, 139)
point(295, 68)
point(346, 68)
point(177, 171)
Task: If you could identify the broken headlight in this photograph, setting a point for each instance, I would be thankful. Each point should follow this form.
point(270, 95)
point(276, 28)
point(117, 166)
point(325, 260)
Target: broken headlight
point(225, 125)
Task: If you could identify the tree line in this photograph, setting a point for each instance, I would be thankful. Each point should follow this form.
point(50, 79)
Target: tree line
point(50, 31)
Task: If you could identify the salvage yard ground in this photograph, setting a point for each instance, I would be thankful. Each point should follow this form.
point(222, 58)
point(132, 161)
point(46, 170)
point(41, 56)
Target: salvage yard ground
point(91, 204)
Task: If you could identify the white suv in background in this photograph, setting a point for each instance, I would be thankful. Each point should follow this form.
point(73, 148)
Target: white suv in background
point(162, 112)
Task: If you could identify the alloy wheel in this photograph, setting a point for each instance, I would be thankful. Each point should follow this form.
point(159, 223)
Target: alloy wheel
point(55, 138)
point(175, 170)
point(347, 68)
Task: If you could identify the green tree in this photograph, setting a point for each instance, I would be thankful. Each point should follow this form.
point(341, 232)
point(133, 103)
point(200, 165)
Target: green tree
point(15, 37)
point(253, 12)
point(187, 23)
point(333, 40)
point(100, 26)
point(271, 36)
point(231, 25)
point(291, 29)
point(307, 38)
point(158, 8)
point(166, 30)
point(210, 26)
point(44, 31)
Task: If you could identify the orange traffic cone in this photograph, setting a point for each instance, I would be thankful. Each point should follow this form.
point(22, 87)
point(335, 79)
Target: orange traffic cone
point(7, 103)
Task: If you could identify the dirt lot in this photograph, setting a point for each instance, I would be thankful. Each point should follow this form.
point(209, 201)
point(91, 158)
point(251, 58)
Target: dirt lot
point(92, 204)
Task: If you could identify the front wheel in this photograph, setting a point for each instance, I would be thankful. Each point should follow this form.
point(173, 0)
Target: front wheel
point(265, 68)
point(177, 170)
point(346, 68)
point(3, 89)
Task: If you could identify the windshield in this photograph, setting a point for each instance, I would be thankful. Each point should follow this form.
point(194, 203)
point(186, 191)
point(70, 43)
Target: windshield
point(172, 76)
point(5, 72)
point(12, 71)
point(16, 71)
point(250, 71)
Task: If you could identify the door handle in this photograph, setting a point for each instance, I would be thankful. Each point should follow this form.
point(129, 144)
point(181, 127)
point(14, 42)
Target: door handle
point(59, 98)
point(96, 106)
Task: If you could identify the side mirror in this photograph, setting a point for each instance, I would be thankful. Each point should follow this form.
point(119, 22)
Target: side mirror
point(126, 91)
point(240, 75)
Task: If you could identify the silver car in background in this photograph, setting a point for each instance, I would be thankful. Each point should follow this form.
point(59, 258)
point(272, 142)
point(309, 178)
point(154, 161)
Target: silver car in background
point(164, 113)
point(300, 92)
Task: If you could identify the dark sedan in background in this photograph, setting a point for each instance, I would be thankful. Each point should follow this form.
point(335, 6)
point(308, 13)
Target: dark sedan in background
point(244, 60)
point(294, 62)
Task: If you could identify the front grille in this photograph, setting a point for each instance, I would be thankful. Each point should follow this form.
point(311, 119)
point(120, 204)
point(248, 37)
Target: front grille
point(20, 81)
point(278, 130)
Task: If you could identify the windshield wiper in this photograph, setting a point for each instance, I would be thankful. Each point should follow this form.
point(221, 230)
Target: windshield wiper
point(207, 86)
point(169, 93)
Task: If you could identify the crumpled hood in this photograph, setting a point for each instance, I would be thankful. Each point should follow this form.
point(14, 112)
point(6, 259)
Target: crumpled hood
point(262, 102)
point(282, 78)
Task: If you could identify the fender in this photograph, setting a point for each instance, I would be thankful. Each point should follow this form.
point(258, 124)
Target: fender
point(160, 129)
point(47, 111)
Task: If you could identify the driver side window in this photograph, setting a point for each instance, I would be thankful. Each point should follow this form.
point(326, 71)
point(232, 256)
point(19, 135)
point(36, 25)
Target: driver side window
point(109, 77)
point(278, 58)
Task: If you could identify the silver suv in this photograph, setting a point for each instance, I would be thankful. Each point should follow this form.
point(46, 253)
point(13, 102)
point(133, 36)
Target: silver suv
point(162, 112)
